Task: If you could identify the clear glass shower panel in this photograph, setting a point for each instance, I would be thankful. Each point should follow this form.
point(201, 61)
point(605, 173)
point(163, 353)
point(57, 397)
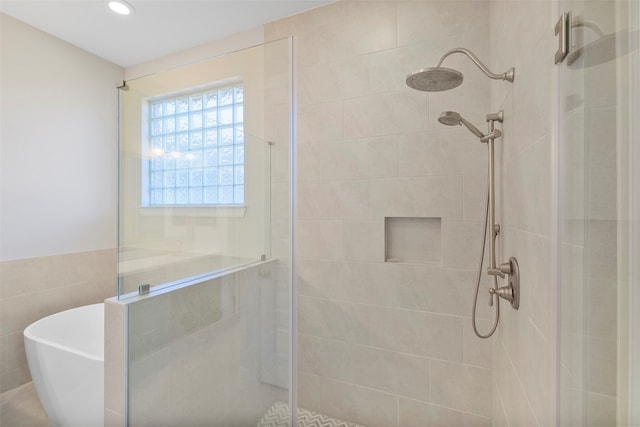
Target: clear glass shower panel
point(195, 169)
point(205, 220)
point(595, 110)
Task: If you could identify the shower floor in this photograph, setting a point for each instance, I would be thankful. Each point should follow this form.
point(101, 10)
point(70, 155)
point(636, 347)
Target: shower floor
point(278, 416)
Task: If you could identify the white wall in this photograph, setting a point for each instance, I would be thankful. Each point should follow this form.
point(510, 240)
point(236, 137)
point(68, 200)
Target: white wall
point(58, 146)
point(58, 184)
point(215, 48)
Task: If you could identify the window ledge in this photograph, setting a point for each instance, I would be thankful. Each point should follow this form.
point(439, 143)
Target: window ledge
point(233, 211)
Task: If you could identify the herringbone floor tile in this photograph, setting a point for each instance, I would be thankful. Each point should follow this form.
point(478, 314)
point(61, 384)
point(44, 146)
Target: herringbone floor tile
point(278, 416)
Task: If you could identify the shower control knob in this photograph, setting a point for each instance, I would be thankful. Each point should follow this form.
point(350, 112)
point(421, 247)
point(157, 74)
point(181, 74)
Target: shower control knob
point(505, 267)
point(505, 292)
point(510, 292)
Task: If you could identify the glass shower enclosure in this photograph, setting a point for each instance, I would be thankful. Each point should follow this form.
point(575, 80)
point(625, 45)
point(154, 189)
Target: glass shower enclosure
point(598, 104)
point(205, 238)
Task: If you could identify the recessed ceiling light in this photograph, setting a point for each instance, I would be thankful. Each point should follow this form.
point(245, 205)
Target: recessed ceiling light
point(120, 7)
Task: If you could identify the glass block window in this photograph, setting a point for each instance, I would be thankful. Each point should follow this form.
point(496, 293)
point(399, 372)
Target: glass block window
point(197, 149)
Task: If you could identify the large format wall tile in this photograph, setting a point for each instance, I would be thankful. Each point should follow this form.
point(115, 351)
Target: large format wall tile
point(418, 414)
point(352, 402)
point(366, 283)
point(417, 332)
point(385, 114)
point(372, 156)
point(33, 288)
point(435, 197)
point(464, 388)
point(396, 373)
point(523, 370)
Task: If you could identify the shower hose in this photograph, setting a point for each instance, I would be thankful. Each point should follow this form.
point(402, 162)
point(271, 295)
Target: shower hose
point(495, 279)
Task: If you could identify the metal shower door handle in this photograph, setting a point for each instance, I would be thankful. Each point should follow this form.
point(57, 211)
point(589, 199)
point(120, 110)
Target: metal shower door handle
point(562, 31)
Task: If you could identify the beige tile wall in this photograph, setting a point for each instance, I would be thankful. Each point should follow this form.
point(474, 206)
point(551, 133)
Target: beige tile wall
point(33, 288)
point(524, 353)
point(388, 344)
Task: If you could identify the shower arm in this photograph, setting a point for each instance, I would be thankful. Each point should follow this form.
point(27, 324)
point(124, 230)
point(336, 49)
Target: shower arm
point(507, 75)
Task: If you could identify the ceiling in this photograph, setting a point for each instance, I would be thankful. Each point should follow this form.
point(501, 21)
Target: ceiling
point(157, 28)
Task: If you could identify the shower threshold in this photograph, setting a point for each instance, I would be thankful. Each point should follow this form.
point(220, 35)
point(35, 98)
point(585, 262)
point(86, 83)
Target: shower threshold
point(278, 416)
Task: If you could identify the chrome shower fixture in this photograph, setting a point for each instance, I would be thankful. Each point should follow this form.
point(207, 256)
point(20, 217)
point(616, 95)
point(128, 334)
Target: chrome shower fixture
point(438, 78)
point(451, 118)
point(509, 270)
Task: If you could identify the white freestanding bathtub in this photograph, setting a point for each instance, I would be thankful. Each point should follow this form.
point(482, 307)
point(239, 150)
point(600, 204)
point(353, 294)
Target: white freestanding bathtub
point(65, 352)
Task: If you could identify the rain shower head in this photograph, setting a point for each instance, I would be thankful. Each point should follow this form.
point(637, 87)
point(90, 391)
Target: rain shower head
point(451, 118)
point(436, 79)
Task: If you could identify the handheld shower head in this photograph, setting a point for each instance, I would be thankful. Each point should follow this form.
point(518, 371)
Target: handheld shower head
point(451, 118)
point(436, 79)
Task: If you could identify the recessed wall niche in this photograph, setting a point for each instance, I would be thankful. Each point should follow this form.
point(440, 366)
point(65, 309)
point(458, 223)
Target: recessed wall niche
point(413, 240)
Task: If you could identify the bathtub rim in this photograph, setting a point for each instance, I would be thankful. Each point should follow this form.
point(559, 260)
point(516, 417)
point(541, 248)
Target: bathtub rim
point(27, 334)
